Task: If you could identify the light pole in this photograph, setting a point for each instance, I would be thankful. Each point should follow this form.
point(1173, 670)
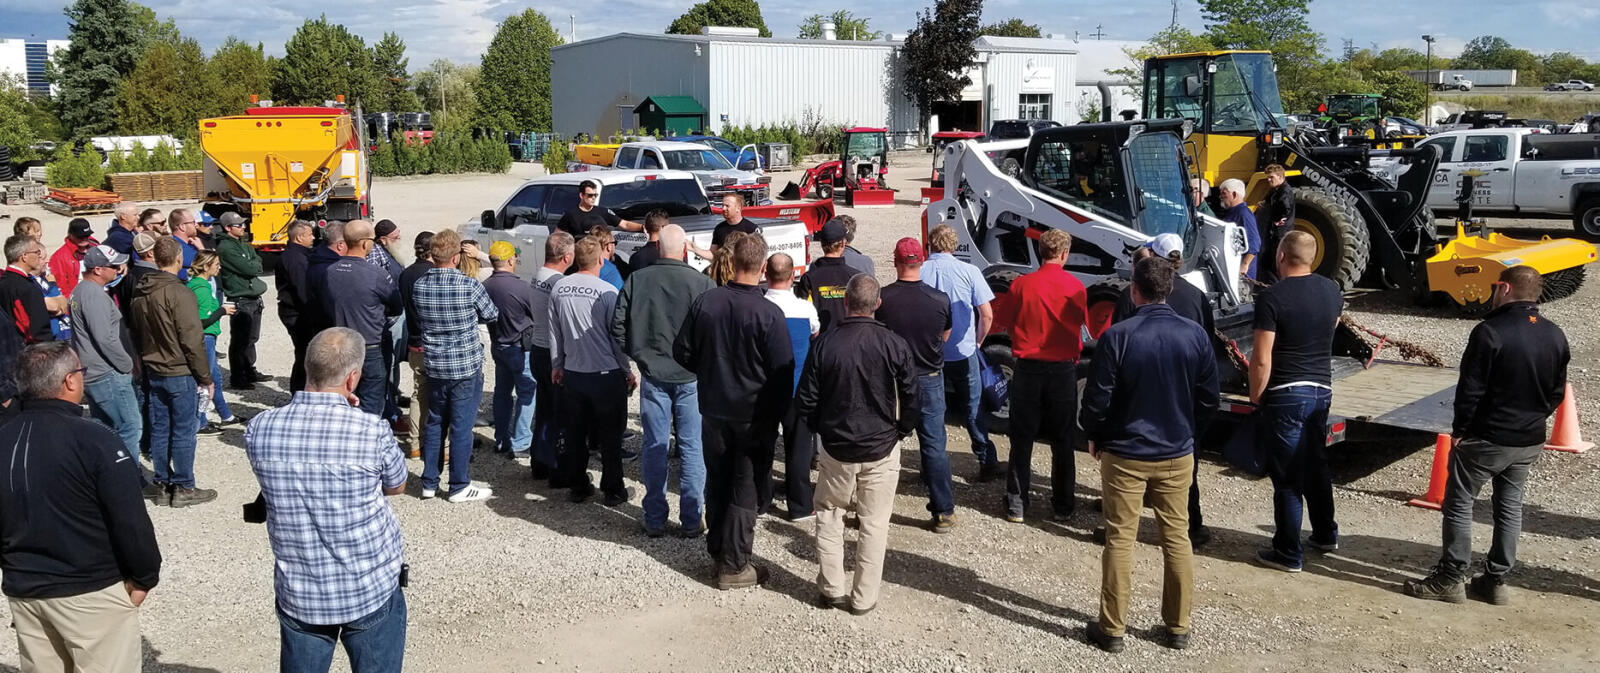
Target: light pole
point(1427, 91)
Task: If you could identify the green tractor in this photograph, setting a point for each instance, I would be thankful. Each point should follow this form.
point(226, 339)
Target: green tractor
point(1350, 117)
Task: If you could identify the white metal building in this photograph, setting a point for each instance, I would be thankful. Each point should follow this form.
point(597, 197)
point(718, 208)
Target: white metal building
point(27, 58)
point(745, 80)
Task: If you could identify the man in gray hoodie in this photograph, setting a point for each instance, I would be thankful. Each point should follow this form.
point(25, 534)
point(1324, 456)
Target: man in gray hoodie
point(103, 346)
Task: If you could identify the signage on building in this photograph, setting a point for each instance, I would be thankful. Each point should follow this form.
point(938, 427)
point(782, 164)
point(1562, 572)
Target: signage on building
point(1036, 79)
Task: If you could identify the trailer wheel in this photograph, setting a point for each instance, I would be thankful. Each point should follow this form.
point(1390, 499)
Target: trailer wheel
point(1586, 219)
point(1344, 245)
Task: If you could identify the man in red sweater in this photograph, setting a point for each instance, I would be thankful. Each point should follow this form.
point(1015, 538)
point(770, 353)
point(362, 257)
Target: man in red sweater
point(65, 264)
point(1051, 305)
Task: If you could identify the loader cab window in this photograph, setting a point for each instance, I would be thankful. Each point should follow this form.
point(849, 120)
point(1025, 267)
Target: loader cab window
point(1083, 171)
point(1172, 90)
point(1245, 95)
point(524, 208)
point(1485, 148)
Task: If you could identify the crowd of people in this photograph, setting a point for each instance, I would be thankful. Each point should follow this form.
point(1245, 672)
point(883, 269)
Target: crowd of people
point(734, 365)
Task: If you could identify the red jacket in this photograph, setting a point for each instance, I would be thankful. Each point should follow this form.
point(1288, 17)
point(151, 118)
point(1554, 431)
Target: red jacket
point(1051, 306)
point(65, 265)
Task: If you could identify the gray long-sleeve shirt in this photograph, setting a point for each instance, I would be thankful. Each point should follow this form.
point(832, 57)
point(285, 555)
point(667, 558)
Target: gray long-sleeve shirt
point(581, 307)
point(97, 335)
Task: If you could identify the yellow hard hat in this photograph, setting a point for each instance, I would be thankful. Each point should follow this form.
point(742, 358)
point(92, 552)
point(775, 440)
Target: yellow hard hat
point(503, 250)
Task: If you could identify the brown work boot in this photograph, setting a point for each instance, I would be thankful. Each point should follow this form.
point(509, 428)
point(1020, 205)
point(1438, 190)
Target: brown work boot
point(752, 575)
point(184, 497)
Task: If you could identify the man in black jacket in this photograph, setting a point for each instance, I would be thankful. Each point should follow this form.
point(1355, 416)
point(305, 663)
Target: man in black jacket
point(737, 344)
point(77, 550)
point(1275, 217)
point(824, 282)
point(1152, 384)
point(20, 296)
point(859, 392)
point(294, 295)
point(1513, 376)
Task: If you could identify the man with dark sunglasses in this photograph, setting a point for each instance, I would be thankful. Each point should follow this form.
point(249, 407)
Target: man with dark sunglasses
point(588, 214)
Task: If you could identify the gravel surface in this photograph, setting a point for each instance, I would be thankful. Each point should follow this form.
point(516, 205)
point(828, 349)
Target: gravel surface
point(527, 581)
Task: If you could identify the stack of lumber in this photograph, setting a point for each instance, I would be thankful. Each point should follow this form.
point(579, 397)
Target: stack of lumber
point(132, 186)
point(80, 201)
point(159, 185)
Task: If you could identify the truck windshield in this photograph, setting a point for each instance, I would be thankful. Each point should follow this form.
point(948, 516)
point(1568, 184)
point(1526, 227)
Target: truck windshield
point(696, 160)
point(1353, 107)
point(633, 200)
point(1244, 94)
point(1156, 160)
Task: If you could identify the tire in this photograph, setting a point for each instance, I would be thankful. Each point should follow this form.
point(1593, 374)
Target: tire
point(825, 189)
point(1586, 219)
point(1344, 246)
point(999, 355)
point(1102, 304)
point(1011, 167)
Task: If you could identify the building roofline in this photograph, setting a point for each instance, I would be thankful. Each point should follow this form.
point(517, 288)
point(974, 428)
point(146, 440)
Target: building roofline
point(707, 39)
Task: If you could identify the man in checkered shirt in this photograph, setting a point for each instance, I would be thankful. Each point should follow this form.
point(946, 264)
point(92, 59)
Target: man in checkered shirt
point(325, 467)
point(450, 305)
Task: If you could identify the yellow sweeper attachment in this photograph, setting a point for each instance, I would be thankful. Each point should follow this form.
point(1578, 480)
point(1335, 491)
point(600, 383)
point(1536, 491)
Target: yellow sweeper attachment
point(283, 165)
point(1466, 267)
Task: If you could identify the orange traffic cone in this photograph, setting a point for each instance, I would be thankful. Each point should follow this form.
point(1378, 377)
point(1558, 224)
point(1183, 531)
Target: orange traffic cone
point(1566, 436)
point(1441, 474)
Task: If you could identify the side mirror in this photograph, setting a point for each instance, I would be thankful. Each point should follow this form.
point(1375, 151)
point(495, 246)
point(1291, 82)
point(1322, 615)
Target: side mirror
point(1191, 86)
point(486, 220)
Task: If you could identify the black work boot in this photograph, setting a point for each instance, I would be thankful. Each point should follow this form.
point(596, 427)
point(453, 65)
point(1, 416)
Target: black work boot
point(1439, 585)
point(1489, 589)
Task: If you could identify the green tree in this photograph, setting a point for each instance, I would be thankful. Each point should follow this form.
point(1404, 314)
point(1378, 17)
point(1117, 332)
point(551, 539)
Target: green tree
point(105, 47)
point(16, 132)
point(394, 92)
point(513, 89)
point(321, 61)
point(1011, 28)
point(1483, 52)
point(1280, 26)
point(1562, 66)
point(149, 29)
point(1401, 58)
point(169, 91)
point(733, 13)
point(449, 91)
point(845, 25)
point(239, 71)
point(1402, 95)
point(937, 53)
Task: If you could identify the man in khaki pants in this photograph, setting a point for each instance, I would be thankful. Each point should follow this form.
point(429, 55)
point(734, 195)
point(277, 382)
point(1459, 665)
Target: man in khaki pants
point(1153, 377)
point(77, 551)
point(859, 392)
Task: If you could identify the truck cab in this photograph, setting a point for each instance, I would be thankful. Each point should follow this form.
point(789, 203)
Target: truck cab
point(1521, 172)
point(744, 158)
point(715, 173)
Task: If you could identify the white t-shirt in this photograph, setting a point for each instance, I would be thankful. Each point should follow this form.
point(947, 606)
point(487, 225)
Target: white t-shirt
point(795, 308)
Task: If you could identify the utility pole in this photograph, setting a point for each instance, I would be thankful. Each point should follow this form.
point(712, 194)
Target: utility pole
point(1098, 33)
point(1427, 91)
point(1174, 23)
point(572, 30)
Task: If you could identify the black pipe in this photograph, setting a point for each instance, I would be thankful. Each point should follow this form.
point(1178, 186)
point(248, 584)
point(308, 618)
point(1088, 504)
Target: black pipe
point(1105, 100)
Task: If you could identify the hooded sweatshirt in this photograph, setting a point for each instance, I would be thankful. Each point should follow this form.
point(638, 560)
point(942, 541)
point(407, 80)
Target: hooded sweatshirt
point(167, 317)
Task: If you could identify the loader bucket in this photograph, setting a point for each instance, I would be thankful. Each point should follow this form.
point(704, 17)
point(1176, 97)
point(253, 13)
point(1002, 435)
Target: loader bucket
point(791, 192)
point(1466, 267)
point(869, 198)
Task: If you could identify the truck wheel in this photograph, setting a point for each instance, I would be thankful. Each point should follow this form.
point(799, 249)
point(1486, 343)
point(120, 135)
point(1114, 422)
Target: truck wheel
point(1586, 219)
point(1343, 243)
point(999, 355)
point(1011, 168)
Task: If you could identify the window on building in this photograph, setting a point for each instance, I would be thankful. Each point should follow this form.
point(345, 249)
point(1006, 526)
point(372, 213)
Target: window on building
point(1034, 106)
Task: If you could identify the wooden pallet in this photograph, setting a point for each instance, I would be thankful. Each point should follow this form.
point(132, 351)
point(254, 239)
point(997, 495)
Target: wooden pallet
point(60, 208)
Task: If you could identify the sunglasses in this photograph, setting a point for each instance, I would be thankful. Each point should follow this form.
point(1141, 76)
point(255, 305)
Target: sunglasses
point(589, 195)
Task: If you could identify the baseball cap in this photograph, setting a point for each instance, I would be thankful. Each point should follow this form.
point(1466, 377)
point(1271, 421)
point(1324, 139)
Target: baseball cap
point(79, 228)
point(1166, 244)
point(908, 250)
point(143, 242)
point(831, 232)
point(503, 250)
point(103, 255)
point(231, 219)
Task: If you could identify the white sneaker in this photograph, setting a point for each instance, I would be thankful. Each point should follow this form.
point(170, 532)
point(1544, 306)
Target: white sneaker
point(428, 493)
point(471, 493)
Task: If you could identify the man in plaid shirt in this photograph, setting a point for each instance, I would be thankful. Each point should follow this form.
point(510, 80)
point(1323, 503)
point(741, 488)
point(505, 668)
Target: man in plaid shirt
point(325, 467)
point(449, 306)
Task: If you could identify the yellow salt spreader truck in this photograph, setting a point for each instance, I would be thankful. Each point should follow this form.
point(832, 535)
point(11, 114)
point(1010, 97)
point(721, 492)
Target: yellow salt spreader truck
point(274, 165)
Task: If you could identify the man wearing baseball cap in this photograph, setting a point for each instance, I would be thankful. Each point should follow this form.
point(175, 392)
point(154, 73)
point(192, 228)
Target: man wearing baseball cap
point(64, 263)
point(920, 314)
point(511, 345)
point(241, 283)
point(101, 341)
point(824, 282)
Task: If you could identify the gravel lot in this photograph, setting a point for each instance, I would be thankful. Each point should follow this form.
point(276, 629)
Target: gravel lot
point(527, 581)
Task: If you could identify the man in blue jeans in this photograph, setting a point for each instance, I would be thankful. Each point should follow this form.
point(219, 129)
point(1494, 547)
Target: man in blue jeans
point(364, 297)
point(650, 311)
point(1291, 383)
point(325, 467)
point(511, 336)
point(920, 314)
point(102, 346)
point(167, 318)
point(971, 314)
point(450, 305)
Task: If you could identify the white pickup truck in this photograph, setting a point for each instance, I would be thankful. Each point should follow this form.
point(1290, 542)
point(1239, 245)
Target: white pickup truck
point(1525, 174)
point(715, 173)
point(528, 215)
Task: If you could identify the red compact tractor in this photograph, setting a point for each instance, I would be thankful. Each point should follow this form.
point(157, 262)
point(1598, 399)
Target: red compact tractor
point(860, 171)
point(940, 140)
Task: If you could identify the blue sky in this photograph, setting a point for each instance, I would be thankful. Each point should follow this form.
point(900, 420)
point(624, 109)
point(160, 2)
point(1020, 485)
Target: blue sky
point(459, 29)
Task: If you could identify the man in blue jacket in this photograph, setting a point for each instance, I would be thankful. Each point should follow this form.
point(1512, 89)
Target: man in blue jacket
point(1153, 381)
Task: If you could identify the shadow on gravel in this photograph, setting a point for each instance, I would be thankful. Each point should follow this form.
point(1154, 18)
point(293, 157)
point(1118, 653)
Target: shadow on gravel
point(1535, 519)
point(960, 584)
point(152, 657)
point(1385, 564)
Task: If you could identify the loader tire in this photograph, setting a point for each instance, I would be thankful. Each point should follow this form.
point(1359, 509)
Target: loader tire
point(1586, 219)
point(1344, 246)
point(825, 189)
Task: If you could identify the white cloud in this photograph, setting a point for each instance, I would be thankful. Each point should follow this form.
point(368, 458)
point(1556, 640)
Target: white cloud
point(1564, 12)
